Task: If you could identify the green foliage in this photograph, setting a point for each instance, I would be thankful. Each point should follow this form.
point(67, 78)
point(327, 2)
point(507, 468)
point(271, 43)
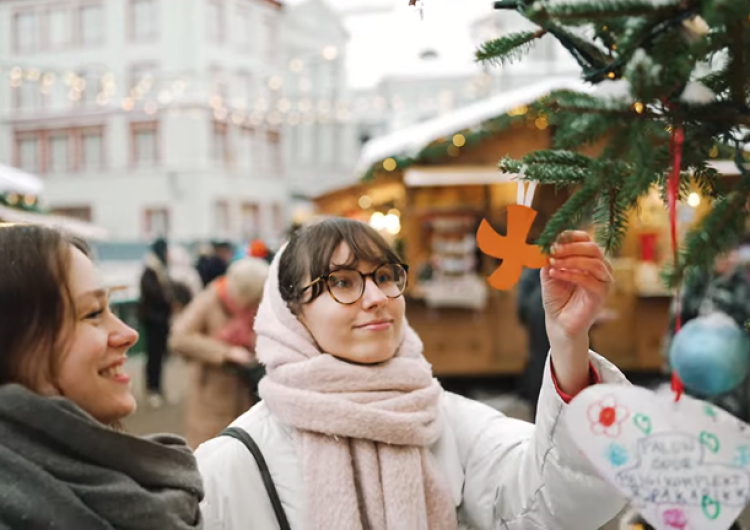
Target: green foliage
point(657, 52)
point(508, 48)
point(14, 201)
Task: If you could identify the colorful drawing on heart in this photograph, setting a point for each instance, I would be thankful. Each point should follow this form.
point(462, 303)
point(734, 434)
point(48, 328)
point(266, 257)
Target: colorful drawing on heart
point(711, 508)
point(675, 518)
point(685, 468)
point(670, 469)
point(616, 454)
point(643, 423)
point(709, 410)
point(742, 456)
point(710, 441)
point(607, 416)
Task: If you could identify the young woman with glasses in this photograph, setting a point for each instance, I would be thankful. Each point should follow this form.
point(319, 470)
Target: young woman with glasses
point(354, 433)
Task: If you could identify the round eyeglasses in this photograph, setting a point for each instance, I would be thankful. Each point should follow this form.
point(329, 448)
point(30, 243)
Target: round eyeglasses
point(347, 286)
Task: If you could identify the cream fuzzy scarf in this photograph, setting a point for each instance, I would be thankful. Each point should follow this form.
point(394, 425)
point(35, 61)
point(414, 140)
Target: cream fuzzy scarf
point(363, 432)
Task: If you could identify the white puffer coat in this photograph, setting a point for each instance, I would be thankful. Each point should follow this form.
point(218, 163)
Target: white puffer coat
point(504, 473)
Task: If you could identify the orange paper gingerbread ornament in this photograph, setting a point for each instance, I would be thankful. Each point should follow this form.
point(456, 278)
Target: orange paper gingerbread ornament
point(512, 248)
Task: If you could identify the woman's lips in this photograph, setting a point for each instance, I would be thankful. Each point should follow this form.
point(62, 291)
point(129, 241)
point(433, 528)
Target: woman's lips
point(115, 372)
point(380, 325)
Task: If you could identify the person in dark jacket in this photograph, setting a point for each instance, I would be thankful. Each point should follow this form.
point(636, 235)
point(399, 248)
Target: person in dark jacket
point(215, 264)
point(530, 312)
point(155, 309)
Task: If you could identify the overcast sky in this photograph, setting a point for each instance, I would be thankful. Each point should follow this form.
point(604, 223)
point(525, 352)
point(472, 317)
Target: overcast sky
point(387, 36)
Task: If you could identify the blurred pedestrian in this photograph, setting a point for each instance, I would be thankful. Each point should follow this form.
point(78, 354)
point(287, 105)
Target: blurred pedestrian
point(214, 264)
point(215, 332)
point(186, 281)
point(64, 461)
point(357, 433)
point(155, 310)
point(530, 313)
point(724, 289)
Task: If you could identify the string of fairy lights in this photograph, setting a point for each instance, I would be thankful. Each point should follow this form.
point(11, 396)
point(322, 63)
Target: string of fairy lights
point(275, 105)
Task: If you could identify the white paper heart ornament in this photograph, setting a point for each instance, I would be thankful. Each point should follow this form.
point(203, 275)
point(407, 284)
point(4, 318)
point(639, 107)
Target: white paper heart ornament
point(685, 465)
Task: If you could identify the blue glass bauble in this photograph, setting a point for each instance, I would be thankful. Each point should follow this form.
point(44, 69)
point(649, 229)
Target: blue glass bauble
point(710, 355)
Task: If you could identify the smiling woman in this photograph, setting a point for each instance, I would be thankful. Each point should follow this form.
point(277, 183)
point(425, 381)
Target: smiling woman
point(62, 389)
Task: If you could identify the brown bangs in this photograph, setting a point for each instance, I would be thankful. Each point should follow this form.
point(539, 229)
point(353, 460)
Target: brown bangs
point(310, 251)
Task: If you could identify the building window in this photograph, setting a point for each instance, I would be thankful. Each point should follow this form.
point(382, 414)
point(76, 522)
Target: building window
point(145, 151)
point(58, 158)
point(143, 74)
point(277, 214)
point(243, 27)
point(91, 22)
point(27, 152)
point(250, 218)
point(143, 20)
point(219, 83)
point(92, 150)
point(220, 144)
point(26, 96)
point(326, 143)
point(245, 150)
point(156, 222)
point(82, 213)
point(91, 88)
point(267, 36)
point(274, 152)
point(215, 20)
point(242, 90)
point(222, 221)
point(25, 32)
point(58, 28)
point(272, 33)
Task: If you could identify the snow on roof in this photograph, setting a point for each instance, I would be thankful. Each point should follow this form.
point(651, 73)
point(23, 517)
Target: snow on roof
point(411, 140)
point(17, 181)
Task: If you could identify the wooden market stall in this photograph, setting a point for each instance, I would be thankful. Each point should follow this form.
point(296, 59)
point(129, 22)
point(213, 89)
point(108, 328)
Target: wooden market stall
point(468, 328)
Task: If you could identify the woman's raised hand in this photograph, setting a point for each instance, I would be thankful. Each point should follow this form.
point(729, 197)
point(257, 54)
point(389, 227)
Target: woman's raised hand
point(575, 285)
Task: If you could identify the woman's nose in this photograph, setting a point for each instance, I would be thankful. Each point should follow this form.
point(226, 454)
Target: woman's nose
point(122, 336)
point(373, 296)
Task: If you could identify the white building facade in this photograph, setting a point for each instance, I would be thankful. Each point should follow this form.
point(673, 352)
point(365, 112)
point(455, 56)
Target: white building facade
point(165, 117)
point(431, 81)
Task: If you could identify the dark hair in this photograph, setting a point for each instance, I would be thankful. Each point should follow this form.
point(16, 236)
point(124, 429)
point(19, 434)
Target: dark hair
point(35, 301)
point(310, 249)
point(160, 248)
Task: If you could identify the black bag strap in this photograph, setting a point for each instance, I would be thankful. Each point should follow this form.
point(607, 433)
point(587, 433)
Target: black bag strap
point(247, 440)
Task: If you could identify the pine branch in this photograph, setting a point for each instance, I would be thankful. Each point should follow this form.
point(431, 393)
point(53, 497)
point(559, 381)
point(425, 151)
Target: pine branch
point(553, 174)
point(607, 8)
point(720, 229)
point(569, 215)
point(611, 219)
point(587, 55)
point(737, 60)
point(508, 48)
point(558, 157)
point(708, 180)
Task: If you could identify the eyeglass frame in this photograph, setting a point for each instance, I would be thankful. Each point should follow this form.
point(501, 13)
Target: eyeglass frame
point(324, 278)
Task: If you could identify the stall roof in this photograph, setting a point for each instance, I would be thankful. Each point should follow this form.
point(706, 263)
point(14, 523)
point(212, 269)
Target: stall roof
point(17, 181)
point(411, 140)
point(74, 226)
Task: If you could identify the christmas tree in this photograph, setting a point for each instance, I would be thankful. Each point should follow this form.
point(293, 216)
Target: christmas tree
point(671, 85)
